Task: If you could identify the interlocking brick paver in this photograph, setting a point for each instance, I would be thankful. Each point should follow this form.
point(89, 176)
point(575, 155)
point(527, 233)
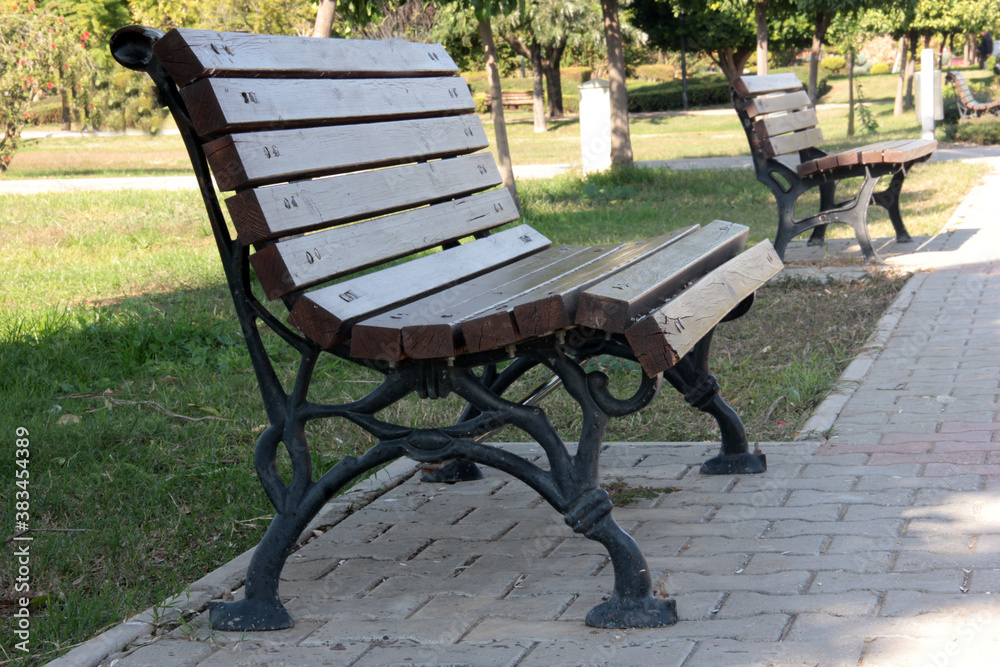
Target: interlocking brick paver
point(566, 654)
point(743, 604)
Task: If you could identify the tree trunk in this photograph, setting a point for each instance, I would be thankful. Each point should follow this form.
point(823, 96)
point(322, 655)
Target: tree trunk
point(911, 67)
point(324, 18)
point(760, 15)
point(538, 104)
point(496, 101)
point(968, 50)
point(897, 109)
point(850, 94)
point(621, 142)
point(819, 33)
point(731, 63)
point(551, 64)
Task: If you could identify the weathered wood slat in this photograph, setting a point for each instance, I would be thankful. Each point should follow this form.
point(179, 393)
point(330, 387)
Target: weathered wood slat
point(752, 86)
point(777, 103)
point(218, 106)
point(297, 263)
point(258, 158)
point(913, 149)
point(430, 328)
point(791, 143)
point(773, 126)
point(553, 306)
point(327, 314)
point(263, 214)
point(190, 54)
point(661, 338)
point(615, 304)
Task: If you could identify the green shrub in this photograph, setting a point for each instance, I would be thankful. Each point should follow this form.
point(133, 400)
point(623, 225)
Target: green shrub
point(655, 72)
point(479, 99)
point(879, 68)
point(983, 131)
point(991, 62)
point(833, 64)
point(669, 96)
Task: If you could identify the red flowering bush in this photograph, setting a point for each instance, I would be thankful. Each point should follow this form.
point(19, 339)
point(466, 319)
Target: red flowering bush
point(38, 52)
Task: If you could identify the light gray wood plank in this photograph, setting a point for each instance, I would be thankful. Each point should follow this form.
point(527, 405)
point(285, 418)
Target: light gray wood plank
point(777, 103)
point(217, 106)
point(615, 304)
point(259, 158)
point(792, 143)
point(660, 339)
point(752, 86)
point(188, 54)
point(772, 126)
point(291, 265)
point(262, 214)
point(326, 315)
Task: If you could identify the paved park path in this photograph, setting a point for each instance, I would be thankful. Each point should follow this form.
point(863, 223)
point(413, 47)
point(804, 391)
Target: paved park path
point(875, 540)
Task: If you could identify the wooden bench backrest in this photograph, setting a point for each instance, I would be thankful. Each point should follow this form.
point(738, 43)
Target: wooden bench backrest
point(963, 89)
point(777, 113)
point(343, 154)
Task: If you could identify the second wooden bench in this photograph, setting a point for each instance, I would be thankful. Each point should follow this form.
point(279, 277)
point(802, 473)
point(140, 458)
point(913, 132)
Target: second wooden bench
point(784, 135)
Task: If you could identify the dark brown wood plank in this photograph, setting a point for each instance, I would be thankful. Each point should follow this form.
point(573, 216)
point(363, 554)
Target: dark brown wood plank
point(430, 328)
point(875, 153)
point(615, 304)
point(263, 214)
point(776, 103)
point(327, 314)
point(752, 86)
point(791, 143)
point(553, 306)
point(189, 54)
point(219, 106)
point(660, 339)
point(294, 264)
point(259, 158)
point(772, 126)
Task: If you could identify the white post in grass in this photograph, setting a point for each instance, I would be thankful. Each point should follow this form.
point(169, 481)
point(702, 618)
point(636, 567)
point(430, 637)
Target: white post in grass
point(927, 92)
point(595, 125)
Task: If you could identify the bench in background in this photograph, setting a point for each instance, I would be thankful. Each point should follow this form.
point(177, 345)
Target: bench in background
point(968, 105)
point(349, 155)
point(784, 136)
point(512, 99)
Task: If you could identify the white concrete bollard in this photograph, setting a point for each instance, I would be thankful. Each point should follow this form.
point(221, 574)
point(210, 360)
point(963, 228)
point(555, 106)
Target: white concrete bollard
point(595, 125)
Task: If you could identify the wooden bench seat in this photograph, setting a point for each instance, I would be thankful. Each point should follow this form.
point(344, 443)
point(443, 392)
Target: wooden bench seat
point(968, 105)
point(784, 136)
point(364, 222)
point(513, 99)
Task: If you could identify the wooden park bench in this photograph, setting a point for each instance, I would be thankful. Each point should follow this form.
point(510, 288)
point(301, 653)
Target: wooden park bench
point(782, 129)
point(512, 99)
point(349, 155)
point(968, 105)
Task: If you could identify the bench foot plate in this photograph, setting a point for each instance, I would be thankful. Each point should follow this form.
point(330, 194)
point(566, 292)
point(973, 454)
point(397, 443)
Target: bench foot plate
point(246, 615)
point(618, 612)
point(735, 464)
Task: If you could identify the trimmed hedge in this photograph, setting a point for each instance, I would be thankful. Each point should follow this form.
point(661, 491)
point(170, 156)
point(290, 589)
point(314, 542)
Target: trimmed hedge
point(669, 96)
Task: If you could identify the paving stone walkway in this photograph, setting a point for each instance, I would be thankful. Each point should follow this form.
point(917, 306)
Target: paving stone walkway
point(877, 543)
